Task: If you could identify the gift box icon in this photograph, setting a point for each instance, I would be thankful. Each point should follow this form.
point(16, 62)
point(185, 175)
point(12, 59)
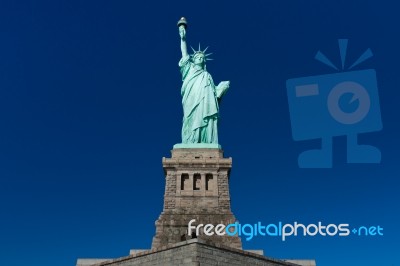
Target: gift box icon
point(343, 103)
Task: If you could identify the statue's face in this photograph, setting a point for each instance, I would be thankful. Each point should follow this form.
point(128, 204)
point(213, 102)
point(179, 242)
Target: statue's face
point(199, 59)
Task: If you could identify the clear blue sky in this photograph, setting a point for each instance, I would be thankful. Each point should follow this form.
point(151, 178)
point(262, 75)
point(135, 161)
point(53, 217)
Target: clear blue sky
point(90, 103)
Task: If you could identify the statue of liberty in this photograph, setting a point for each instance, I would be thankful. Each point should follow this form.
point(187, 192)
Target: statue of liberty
point(200, 97)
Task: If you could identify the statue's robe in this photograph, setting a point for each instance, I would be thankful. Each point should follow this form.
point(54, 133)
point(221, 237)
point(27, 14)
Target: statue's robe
point(200, 104)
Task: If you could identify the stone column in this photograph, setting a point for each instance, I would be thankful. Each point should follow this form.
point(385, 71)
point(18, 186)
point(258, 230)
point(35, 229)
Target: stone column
point(181, 206)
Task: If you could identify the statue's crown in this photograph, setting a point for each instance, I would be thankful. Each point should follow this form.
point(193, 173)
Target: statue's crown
point(201, 52)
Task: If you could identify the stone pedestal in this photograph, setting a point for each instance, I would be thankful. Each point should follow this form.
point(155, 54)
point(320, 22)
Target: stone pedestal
point(196, 187)
point(194, 252)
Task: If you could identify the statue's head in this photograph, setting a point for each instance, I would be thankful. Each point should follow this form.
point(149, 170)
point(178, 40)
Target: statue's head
point(200, 57)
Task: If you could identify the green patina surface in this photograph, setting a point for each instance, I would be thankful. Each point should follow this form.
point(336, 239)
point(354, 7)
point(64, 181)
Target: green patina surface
point(200, 97)
point(197, 146)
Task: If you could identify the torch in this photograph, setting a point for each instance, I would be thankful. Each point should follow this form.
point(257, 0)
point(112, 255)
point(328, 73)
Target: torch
point(182, 23)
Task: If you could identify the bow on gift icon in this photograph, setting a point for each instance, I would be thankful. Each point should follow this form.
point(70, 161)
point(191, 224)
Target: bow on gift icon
point(345, 103)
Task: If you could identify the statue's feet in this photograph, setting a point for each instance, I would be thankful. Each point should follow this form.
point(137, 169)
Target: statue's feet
point(363, 154)
point(315, 159)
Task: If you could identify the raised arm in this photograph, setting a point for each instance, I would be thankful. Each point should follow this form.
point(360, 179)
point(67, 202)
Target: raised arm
point(182, 33)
